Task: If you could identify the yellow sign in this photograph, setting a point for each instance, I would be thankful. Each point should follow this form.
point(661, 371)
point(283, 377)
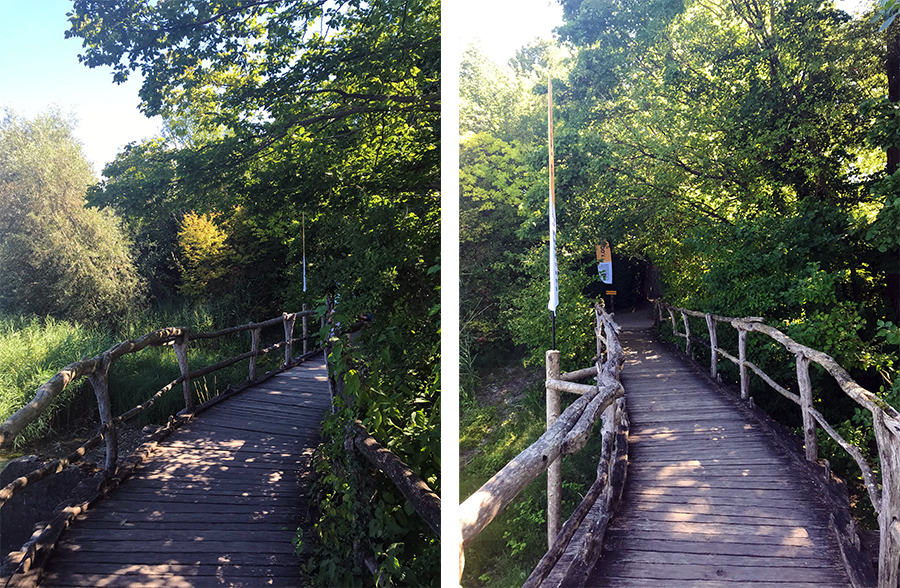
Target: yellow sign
point(610, 292)
point(603, 252)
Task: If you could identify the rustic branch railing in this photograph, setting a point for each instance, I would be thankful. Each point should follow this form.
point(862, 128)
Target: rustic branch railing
point(29, 561)
point(566, 433)
point(96, 370)
point(422, 498)
point(886, 420)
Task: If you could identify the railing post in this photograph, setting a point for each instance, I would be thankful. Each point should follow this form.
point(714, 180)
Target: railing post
point(254, 347)
point(100, 382)
point(713, 343)
point(742, 359)
point(554, 472)
point(305, 332)
point(806, 404)
point(888, 439)
point(687, 334)
point(181, 354)
point(598, 331)
point(288, 337)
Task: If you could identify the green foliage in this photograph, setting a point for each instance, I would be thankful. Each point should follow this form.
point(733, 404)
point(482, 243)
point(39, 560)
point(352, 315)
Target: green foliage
point(204, 254)
point(58, 257)
point(31, 352)
point(498, 101)
point(493, 180)
point(530, 321)
point(403, 414)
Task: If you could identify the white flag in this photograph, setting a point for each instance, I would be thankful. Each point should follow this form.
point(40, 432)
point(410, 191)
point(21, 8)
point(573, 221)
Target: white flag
point(554, 275)
point(604, 268)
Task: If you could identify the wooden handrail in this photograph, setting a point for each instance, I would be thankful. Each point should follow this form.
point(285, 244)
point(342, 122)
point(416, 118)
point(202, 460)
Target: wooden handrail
point(886, 419)
point(96, 369)
point(422, 498)
point(564, 435)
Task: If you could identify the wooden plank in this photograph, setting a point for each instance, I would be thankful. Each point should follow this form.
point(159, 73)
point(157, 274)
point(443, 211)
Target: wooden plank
point(181, 570)
point(168, 581)
point(774, 519)
point(663, 504)
point(661, 556)
point(125, 536)
point(170, 549)
point(626, 582)
point(733, 573)
point(729, 545)
point(66, 555)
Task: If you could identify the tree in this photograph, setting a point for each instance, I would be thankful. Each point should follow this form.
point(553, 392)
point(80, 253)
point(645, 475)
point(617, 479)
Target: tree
point(282, 110)
point(56, 256)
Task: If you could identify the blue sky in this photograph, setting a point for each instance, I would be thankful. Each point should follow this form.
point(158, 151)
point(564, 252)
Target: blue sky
point(40, 68)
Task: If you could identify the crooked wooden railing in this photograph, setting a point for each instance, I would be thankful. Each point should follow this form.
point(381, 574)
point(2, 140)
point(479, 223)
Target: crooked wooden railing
point(885, 497)
point(566, 433)
point(96, 370)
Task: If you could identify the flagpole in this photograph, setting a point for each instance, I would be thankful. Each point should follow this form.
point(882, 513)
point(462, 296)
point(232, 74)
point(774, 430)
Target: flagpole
point(554, 470)
point(554, 274)
point(304, 252)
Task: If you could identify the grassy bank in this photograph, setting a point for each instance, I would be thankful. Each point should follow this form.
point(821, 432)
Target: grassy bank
point(33, 350)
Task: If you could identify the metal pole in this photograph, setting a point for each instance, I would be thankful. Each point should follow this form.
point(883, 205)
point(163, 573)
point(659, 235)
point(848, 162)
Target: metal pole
point(553, 323)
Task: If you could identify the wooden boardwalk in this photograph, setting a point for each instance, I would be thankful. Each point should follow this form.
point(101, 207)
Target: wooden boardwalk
point(216, 504)
point(709, 501)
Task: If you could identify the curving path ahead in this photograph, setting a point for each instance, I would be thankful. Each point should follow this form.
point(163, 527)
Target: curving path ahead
point(216, 504)
point(709, 501)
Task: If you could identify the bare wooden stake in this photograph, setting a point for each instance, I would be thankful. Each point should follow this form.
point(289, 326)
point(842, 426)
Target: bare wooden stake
point(288, 338)
point(806, 406)
point(687, 335)
point(305, 332)
point(554, 472)
point(742, 361)
point(886, 434)
point(180, 347)
point(713, 344)
point(254, 348)
point(100, 382)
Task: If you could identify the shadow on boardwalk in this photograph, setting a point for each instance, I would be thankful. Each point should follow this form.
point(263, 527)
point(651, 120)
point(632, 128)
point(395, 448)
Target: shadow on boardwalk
point(709, 501)
point(216, 505)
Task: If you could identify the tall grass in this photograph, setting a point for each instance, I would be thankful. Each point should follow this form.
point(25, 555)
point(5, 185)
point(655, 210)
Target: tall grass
point(32, 350)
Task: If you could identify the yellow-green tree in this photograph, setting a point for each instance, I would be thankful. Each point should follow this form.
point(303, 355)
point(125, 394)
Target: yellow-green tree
point(204, 255)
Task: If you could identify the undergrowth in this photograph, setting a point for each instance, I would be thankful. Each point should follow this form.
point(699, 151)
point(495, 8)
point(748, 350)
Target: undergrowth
point(506, 551)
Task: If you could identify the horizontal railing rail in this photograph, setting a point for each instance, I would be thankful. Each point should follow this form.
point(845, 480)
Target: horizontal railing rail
point(885, 497)
point(96, 371)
